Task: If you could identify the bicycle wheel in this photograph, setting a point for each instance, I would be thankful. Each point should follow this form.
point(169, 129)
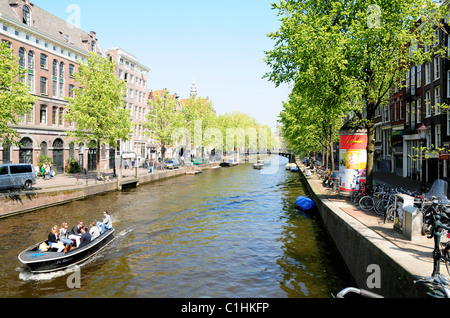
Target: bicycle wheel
point(381, 206)
point(367, 203)
point(358, 198)
point(389, 213)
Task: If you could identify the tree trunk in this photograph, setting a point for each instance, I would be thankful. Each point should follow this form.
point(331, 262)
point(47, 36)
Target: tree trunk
point(332, 151)
point(370, 155)
point(98, 158)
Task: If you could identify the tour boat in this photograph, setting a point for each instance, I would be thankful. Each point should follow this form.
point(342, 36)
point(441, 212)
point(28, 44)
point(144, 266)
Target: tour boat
point(50, 261)
point(259, 165)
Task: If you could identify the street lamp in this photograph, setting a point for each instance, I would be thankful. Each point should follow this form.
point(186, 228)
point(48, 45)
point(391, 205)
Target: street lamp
point(422, 132)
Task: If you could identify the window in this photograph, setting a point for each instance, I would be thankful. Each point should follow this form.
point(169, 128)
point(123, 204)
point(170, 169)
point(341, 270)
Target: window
point(427, 104)
point(54, 115)
point(61, 70)
point(55, 88)
point(437, 73)
point(413, 80)
point(30, 60)
point(408, 110)
point(437, 100)
point(401, 109)
point(419, 75)
point(43, 114)
point(61, 90)
point(44, 86)
point(30, 116)
point(448, 83)
point(31, 82)
point(44, 61)
point(71, 70)
point(419, 111)
point(55, 68)
point(22, 57)
point(448, 123)
point(71, 92)
point(61, 116)
point(427, 73)
point(26, 15)
point(437, 135)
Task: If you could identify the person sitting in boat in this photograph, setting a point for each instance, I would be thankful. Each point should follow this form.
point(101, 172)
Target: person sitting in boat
point(53, 240)
point(94, 231)
point(107, 222)
point(64, 234)
point(75, 233)
point(85, 237)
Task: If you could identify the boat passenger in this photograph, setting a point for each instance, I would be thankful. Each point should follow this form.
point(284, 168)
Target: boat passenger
point(94, 231)
point(107, 222)
point(53, 240)
point(85, 237)
point(64, 234)
point(75, 233)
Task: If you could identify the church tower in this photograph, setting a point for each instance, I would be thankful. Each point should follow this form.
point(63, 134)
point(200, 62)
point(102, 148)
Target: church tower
point(194, 89)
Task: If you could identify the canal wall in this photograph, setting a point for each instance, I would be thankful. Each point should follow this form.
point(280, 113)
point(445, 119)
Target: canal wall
point(19, 202)
point(369, 257)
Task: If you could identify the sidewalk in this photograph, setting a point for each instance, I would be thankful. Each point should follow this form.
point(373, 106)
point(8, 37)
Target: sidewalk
point(418, 253)
point(82, 180)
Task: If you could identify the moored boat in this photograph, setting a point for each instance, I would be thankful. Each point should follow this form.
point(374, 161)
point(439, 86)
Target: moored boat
point(50, 261)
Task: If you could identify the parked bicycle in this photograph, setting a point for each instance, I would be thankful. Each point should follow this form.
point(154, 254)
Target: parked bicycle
point(440, 286)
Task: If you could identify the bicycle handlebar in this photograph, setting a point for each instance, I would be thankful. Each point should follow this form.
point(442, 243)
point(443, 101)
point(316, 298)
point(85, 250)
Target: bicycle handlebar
point(362, 292)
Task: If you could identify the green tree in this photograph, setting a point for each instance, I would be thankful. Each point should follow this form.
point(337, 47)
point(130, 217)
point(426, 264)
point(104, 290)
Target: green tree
point(97, 108)
point(163, 120)
point(199, 118)
point(367, 49)
point(15, 98)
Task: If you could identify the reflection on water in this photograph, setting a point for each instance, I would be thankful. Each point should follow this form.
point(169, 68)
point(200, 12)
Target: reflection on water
point(229, 232)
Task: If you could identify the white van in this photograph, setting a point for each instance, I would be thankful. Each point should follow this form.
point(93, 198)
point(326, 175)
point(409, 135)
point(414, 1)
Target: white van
point(17, 176)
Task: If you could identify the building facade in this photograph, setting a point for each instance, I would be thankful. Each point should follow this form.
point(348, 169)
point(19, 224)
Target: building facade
point(135, 75)
point(50, 50)
point(420, 99)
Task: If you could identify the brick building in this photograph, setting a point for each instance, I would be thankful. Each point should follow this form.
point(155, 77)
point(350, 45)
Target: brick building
point(50, 50)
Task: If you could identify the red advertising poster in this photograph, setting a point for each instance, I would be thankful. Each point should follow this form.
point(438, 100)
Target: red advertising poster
point(352, 162)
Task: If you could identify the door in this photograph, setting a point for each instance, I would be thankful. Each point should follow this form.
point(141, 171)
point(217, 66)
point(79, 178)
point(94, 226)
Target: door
point(58, 155)
point(26, 151)
point(92, 159)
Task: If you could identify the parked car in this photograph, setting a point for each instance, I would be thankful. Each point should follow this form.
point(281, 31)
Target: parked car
point(171, 164)
point(17, 176)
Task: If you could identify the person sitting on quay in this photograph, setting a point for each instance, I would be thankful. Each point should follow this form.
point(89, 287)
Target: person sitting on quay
point(85, 237)
point(107, 222)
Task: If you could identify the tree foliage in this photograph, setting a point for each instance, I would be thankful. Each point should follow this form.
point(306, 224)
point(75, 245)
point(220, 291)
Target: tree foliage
point(15, 98)
point(343, 57)
point(97, 106)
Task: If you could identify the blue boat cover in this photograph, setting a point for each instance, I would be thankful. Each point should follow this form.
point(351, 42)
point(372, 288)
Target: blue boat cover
point(304, 204)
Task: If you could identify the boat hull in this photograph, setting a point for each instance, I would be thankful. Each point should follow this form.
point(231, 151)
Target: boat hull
point(45, 262)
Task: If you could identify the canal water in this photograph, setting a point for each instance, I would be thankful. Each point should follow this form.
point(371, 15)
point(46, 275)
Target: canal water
point(226, 233)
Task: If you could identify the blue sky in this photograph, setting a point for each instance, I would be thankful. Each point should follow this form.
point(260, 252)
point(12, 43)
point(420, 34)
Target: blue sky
point(219, 43)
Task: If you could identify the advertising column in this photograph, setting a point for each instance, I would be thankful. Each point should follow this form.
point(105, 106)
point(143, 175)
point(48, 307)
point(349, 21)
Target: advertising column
point(352, 161)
